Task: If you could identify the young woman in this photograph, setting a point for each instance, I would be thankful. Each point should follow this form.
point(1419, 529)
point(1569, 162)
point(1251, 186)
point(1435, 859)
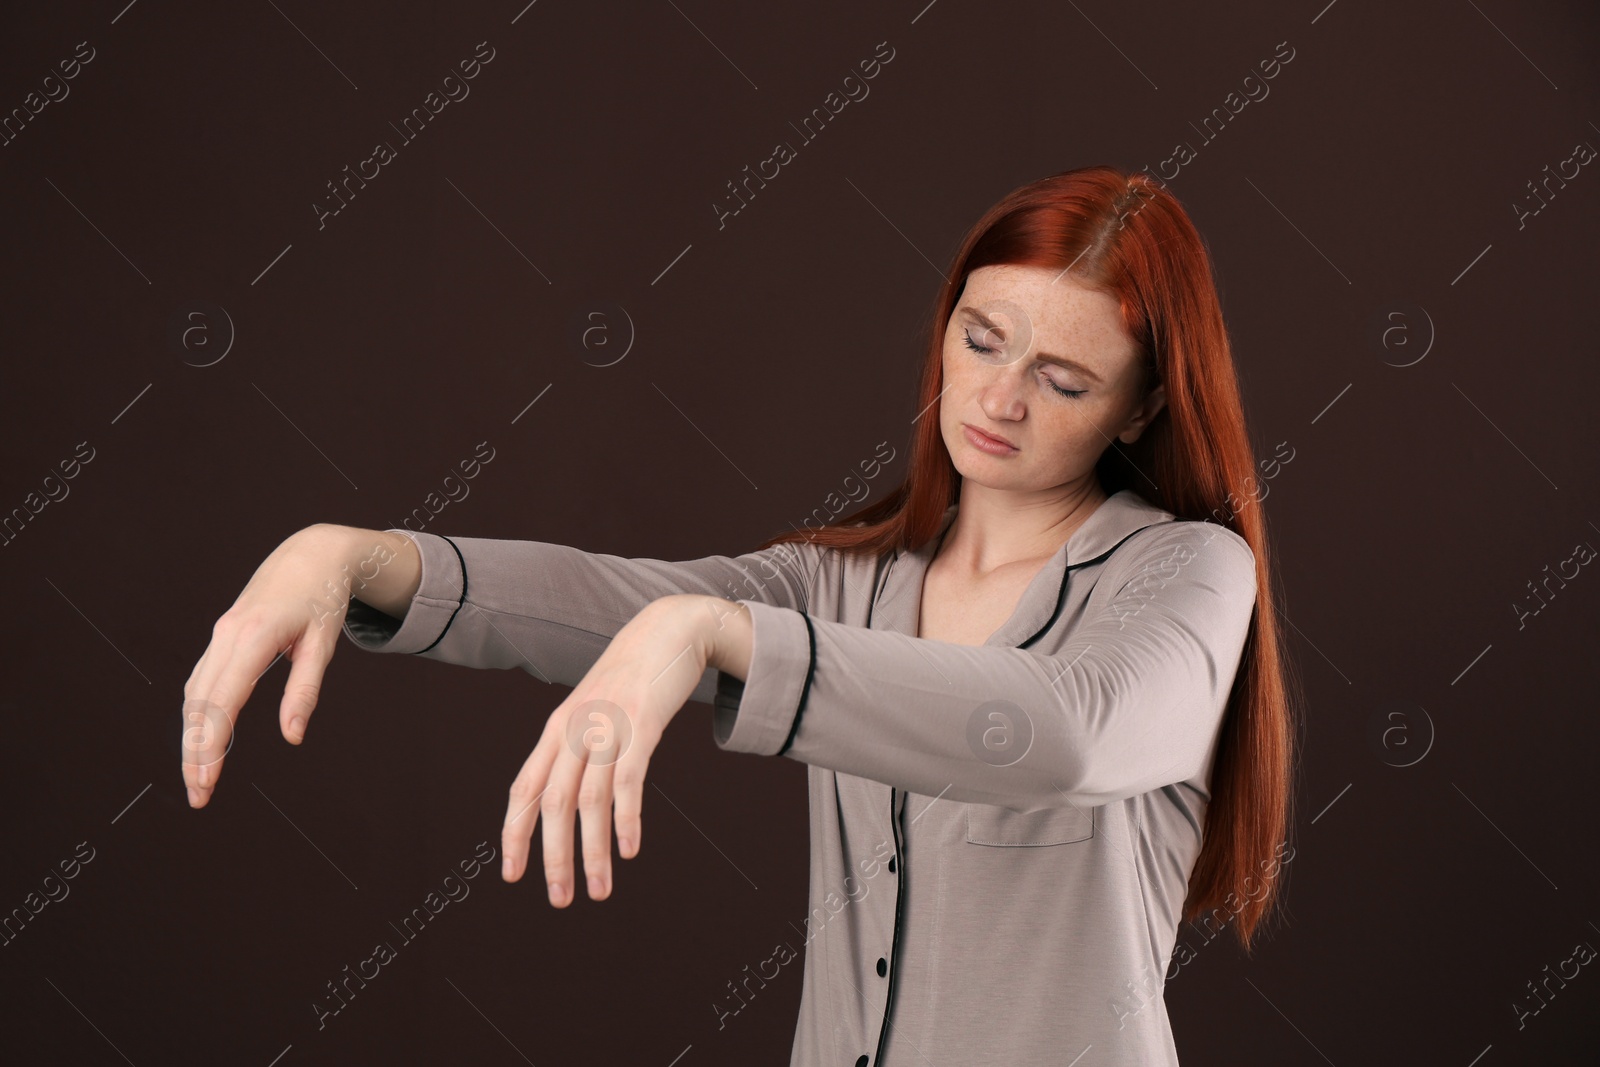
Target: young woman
point(1038, 687)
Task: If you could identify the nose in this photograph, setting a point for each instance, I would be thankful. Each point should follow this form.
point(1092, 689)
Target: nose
point(1001, 396)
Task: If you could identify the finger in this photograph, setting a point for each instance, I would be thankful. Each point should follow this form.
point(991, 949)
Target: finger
point(522, 807)
point(627, 787)
point(243, 652)
point(209, 655)
point(207, 729)
point(557, 807)
point(308, 658)
point(594, 816)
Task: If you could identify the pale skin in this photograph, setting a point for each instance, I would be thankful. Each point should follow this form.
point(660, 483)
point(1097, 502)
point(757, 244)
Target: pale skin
point(1014, 511)
point(1016, 508)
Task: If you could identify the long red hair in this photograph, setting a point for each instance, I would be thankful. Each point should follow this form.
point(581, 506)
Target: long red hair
point(1127, 235)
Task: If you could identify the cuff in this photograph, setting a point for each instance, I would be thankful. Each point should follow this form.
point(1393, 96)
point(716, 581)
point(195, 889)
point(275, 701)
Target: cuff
point(761, 714)
point(441, 593)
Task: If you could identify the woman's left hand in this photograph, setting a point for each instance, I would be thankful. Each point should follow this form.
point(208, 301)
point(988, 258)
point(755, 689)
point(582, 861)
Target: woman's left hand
point(597, 743)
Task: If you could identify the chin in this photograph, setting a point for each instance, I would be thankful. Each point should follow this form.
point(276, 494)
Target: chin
point(984, 474)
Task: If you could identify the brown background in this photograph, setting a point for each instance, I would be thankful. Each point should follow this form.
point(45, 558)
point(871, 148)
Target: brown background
point(773, 355)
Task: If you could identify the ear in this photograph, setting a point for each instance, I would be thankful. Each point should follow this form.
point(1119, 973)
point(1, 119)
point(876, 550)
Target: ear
point(1154, 401)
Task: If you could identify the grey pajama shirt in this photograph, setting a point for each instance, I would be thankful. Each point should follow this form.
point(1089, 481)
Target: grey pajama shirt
point(1001, 835)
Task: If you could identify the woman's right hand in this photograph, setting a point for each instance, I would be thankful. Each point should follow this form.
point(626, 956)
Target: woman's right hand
point(295, 603)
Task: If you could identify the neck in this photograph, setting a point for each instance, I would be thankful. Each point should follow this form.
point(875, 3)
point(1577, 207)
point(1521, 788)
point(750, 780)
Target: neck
point(993, 528)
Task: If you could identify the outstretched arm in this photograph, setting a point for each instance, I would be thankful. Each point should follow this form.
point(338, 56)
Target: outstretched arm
point(1131, 700)
point(550, 609)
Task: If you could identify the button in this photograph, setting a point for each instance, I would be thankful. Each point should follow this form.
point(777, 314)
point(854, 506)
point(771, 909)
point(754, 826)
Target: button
point(883, 966)
point(891, 864)
point(862, 1062)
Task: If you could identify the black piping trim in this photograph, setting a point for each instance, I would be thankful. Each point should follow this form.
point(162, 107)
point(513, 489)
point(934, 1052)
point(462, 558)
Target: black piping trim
point(463, 600)
point(894, 944)
point(805, 690)
point(1061, 594)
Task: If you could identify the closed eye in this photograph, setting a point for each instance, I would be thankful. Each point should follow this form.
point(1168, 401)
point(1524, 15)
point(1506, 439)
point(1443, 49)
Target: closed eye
point(966, 337)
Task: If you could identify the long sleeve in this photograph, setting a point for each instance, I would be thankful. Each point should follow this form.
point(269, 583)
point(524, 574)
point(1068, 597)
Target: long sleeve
point(1129, 701)
point(550, 609)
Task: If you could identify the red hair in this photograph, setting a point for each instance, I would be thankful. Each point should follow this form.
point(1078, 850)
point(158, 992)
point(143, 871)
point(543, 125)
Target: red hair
point(1125, 234)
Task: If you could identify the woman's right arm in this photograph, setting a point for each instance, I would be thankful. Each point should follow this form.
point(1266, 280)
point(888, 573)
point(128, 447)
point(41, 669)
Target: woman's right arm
point(545, 608)
point(551, 609)
point(292, 605)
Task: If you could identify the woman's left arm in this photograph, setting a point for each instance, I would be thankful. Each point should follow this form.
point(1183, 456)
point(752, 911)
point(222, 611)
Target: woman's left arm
point(1128, 700)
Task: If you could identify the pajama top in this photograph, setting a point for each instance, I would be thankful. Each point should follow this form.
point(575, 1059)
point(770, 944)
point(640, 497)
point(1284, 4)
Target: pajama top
point(1000, 835)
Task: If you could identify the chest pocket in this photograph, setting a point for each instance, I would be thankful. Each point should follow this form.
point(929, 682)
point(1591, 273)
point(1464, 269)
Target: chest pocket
point(991, 825)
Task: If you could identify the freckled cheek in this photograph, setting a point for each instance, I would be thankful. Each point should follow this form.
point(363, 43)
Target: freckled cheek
point(964, 372)
point(960, 380)
point(1068, 434)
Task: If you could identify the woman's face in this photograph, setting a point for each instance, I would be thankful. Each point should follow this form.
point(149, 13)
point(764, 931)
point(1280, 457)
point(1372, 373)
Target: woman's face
point(1059, 380)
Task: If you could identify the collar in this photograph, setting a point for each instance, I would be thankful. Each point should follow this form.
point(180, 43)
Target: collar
point(1121, 514)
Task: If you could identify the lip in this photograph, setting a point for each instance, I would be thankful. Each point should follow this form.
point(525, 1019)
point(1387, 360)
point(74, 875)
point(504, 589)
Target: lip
point(987, 442)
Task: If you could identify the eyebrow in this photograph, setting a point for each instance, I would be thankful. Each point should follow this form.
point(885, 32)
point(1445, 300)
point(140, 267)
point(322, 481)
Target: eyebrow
point(1047, 357)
